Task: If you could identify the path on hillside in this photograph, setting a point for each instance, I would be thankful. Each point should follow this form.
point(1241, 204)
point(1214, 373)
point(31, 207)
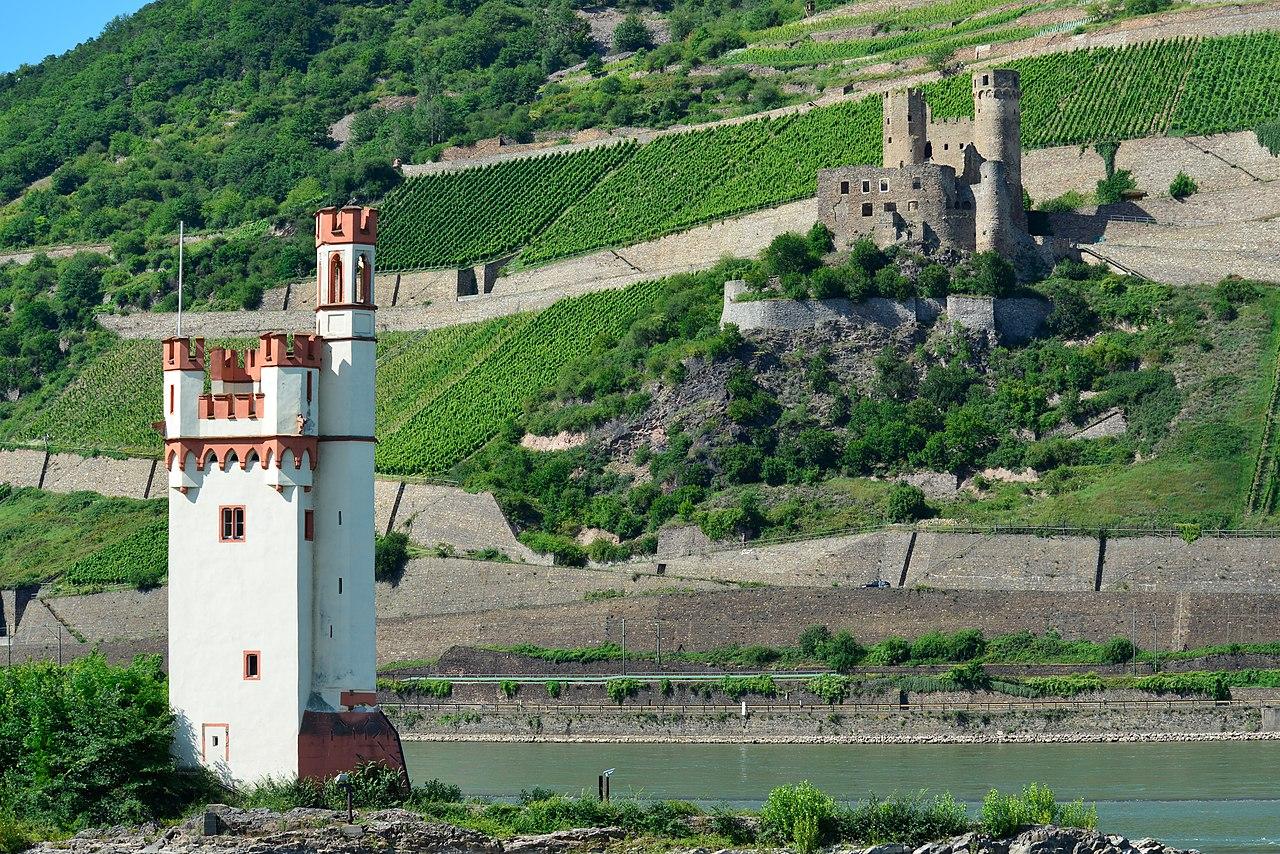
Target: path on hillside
point(1223, 229)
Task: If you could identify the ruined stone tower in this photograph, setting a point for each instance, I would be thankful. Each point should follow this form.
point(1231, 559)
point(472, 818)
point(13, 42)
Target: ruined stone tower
point(906, 120)
point(997, 130)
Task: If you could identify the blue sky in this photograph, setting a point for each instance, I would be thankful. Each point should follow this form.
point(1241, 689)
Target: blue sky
point(36, 28)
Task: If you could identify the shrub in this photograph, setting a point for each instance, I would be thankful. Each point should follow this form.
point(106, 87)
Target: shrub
point(812, 640)
point(632, 34)
point(796, 814)
point(509, 688)
point(910, 819)
point(390, 555)
point(564, 550)
point(1118, 650)
point(842, 652)
point(1183, 186)
point(732, 826)
point(1111, 190)
point(553, 689)
point(737, 687)
point(1003, 815)
point(889, 652)
point(435, 792)
point(790, 253)
point(620, 690)
point(829, 687)
point(985, 274)
point(905, 503)
point(14, 837)
point(934, 281)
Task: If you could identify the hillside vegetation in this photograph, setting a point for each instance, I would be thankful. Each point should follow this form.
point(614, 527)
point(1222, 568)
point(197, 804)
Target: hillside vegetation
point(1180, 86)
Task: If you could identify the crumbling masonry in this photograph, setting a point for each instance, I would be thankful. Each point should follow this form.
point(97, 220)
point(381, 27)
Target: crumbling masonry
point(950, 183)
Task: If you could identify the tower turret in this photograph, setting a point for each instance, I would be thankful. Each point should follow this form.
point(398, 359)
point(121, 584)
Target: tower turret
point(906, 122)
point(997, 129)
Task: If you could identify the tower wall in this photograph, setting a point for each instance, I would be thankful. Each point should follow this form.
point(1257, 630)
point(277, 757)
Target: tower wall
point(906, 119)
point(993, 217)
point(997, 129)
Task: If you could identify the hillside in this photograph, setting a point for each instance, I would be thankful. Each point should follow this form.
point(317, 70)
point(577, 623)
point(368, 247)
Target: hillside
point(651, 411)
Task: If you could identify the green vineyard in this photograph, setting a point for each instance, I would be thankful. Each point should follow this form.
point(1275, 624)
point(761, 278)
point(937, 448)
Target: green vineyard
point(461, 218)
point(442, 428)
point(679, 181)
point(140, 559)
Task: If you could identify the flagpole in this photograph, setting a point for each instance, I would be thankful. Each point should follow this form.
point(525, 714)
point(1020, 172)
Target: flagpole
point(181, 226)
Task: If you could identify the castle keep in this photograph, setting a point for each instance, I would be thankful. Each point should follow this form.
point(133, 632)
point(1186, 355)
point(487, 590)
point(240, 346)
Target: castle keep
point(270, 476)
point(953, 183)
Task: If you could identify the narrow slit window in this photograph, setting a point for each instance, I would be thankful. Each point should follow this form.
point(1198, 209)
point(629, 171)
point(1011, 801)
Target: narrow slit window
point(308, 386)
point(171, 395)
point(309, 524)
point(339, 586)
point(252, 665)
point(231, 524)
point(331, 631)
point(339, 517)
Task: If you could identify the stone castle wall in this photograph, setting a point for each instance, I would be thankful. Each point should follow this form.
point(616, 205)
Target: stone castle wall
point(1013, 320)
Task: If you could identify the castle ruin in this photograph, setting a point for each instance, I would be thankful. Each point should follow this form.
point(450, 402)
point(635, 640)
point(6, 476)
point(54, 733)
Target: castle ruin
point(947, 183)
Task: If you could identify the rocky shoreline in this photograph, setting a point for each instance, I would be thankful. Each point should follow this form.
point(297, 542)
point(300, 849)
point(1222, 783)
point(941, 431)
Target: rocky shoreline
point(984, 738)
point(224, 830)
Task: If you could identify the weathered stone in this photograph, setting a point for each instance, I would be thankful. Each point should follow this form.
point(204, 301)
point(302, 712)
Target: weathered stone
point(579, 839)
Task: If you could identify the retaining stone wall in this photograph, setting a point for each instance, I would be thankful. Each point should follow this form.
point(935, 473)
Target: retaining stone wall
point(841, 724)
point(1009, 562)
point(21, 468)
point(1013, 320)
point(776, 617)
point(115, 615)
point(465, 520)
point(1208, 565)
point(452, 586)
point(127, 478)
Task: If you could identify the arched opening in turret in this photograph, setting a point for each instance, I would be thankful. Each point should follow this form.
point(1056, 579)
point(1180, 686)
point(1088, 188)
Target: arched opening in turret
point(364, 280)
point(335, 278)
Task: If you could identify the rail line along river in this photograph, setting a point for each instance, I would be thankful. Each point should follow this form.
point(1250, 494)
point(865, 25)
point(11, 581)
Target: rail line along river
point(1220, 797)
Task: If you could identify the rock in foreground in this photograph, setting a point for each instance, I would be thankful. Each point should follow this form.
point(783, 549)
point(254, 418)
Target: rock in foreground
point(223, 829)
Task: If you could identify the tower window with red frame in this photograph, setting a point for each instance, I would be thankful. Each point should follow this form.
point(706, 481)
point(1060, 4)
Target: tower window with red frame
point(231, 524)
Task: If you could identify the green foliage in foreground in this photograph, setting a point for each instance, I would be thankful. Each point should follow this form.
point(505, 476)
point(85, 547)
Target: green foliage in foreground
point(1004, 815)
point(88, 744)
point(92, 538)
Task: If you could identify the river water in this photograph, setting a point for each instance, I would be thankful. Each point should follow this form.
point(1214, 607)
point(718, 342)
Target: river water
point(1219, 797)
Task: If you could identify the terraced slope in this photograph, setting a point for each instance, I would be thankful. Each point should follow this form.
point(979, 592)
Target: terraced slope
point(441, 394)
point(677, 181)
point(443, 220)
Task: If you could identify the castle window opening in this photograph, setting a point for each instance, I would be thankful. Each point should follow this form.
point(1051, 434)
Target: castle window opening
point(866, 209)
point(308, 386)
point(946, 146)
point(331, 631)
point(884, 186)
point(890, 139)
point(913, 205)
point(339, 586)
point(985, 79)
point(890, 207)
point(171, 388)
point(232, 524)
point(915, 183)
point(866, 186)
point(844, 188)
point(339, 517)
point(364, 280)
point(335, 278)
point(309, 524)
point(252, 672)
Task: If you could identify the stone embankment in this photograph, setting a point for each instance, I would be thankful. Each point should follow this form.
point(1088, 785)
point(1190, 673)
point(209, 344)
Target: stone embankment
point(222, 830)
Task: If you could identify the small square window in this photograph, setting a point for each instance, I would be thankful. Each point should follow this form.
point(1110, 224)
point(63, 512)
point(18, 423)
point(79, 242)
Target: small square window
point(884, 186)
point(915, 183)
point(913, 205)
point(231, 524)
point(866, 209)
point(252, 665)
point(866, 186)
point(890, 207)
point(844, 188)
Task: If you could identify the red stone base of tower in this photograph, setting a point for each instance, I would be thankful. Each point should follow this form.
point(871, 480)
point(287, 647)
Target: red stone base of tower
point(332, 742)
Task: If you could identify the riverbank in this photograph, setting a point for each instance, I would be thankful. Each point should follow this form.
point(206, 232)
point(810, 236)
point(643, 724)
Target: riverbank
point(1061, 738)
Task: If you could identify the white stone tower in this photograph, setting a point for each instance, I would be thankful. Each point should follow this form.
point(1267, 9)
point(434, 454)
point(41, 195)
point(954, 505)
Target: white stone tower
point(271, 617)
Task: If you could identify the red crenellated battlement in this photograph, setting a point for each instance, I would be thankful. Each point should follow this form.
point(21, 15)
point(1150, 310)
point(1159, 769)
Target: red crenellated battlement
point(275, 350)
point(183, 354)
point(352, 224)
point(233, 406)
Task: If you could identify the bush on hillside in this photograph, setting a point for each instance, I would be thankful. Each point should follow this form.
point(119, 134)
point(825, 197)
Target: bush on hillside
point(390, 555)
point(905, 503)
point(985, 274)
point(1183, 186)
point(632, 34)
point(1111, 190)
